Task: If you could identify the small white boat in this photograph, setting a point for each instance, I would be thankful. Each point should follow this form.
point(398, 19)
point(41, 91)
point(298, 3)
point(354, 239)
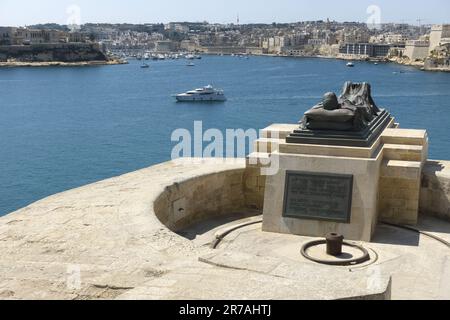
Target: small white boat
point(350, 64)
point(207, 93)
point(190, 64)
point(145, 66)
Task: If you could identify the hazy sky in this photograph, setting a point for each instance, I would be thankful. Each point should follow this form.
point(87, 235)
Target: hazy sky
point(24, 12)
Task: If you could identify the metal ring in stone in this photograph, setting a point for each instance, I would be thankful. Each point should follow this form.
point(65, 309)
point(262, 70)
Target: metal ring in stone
point(364, 258)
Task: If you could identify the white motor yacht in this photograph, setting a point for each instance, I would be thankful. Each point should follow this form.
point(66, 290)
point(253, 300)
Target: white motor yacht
point(207, 93)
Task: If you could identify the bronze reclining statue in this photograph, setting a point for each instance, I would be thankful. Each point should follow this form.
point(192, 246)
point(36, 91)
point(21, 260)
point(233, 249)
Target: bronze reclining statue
point(353, 111)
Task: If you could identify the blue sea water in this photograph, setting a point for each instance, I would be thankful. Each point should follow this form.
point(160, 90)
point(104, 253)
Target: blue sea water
point(62, 128)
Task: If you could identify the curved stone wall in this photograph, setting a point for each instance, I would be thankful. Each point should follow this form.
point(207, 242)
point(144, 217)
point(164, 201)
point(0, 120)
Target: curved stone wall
point(202, 197)
point(435, 189)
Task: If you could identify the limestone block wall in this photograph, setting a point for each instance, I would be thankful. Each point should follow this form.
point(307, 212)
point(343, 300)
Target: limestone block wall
point(202, 197)
point(404, 153)
point(435, 189)
point(254, 188)
point(255, 181)
point(398, 203)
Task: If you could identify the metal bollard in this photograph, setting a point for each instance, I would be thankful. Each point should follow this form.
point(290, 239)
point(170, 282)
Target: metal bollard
point(334, 244)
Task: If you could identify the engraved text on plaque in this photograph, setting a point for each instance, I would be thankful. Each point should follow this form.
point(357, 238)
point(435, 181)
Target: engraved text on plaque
point(318, 196)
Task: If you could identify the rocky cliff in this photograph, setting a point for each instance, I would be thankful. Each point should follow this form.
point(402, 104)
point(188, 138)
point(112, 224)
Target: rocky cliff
point(60, 52)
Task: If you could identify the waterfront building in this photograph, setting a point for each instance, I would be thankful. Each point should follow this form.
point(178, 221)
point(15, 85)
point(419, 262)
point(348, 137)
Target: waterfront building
point(26, 36)
point(366, 50)
point(7, 35)
point(295, 52)
point(286, 43)
point(32, 36)
point(273, 45)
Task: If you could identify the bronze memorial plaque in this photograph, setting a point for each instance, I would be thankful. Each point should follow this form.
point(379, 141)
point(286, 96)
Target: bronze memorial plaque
point(317, 196)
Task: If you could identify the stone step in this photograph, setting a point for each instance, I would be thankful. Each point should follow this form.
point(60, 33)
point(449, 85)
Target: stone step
point(258, 159)
point(405, 136)
point(403, 152)
point(266, 145)
point(326, 150)
point(410, 170)
point(279, 131)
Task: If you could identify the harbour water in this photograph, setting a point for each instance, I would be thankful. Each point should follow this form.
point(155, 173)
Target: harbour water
point(61, 128)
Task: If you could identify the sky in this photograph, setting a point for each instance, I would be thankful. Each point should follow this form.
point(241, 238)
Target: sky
point(27, 12)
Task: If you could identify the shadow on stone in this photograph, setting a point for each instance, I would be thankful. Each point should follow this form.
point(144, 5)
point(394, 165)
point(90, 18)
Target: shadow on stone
point(394, 236)
point(345, 256)
point(435, 187)
point(204, 227)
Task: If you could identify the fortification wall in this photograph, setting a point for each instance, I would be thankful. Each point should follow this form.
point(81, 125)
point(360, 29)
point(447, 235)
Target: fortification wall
point(202, 197)
point(61, 52)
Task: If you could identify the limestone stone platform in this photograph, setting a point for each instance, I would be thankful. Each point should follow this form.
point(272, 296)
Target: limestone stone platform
point(147, 235)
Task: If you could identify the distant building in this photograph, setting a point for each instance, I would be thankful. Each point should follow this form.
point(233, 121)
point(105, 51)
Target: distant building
point(317, 42)
point(273, 45)
point(440, 35)
point(366, 50)
point(390, 38)
point(416, 49)
point(177, 27)
point(7, 35)
point(76, 37)
point(31, 36)
point(294, 52)
point(355, 36)
point(396, 39)
point(25, 36)
point(283, 44)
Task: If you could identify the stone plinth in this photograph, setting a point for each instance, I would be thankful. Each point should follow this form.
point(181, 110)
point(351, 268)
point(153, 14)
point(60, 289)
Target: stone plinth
point(386, 180)
point(404, 155)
